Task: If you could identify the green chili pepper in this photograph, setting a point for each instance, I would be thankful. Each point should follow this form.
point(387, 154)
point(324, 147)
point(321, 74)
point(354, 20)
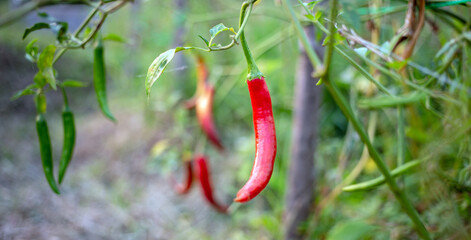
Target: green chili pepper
point(99, 80)
point(69, 137)
point(69, 140)
point(46, 151)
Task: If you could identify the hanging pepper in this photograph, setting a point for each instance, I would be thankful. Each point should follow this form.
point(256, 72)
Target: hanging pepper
point(265, 135)
point(45, 143)
point(185, 188)
point(99, 80)
point(203, 101)
point(203, 174)
point(69, 137)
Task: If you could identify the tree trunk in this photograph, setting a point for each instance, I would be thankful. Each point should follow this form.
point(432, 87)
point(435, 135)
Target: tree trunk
point(301, 178)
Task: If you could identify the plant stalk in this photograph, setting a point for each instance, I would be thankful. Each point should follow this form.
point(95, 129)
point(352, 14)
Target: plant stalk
point(348, 112)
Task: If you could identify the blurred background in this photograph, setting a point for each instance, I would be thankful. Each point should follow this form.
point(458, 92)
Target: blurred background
point(118, 182)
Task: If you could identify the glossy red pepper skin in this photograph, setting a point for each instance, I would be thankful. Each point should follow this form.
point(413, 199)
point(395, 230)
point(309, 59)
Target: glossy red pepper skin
point(204, 113)
point(203, 174)
point(185, 188)
point(265, 140)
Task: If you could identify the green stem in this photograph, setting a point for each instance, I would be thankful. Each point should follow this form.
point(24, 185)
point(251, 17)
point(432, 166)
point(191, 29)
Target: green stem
point(82, 27)
point(13, 15)
point(234, 39)
point(370, 184)
point(64, 94)
point(332, 30)
point(316, 61)
point(401, 137)
point(400, 196)
point(364, 72)
point(253, 71)
point(348, 112)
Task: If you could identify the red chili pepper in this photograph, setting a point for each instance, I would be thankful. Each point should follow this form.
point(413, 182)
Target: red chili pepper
point(203, 174)
point(185, 188)
point(204, 113)
point(265, 135)
point(265, 141)
point(203, 101)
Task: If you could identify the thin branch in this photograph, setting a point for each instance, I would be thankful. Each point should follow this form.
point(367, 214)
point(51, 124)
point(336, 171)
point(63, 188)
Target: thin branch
point(417, 30)
point(13, 15)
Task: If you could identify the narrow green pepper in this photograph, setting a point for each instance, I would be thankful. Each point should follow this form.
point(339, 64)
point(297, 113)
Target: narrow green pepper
point(46, 151)
point(69, 141)
point(99, 80)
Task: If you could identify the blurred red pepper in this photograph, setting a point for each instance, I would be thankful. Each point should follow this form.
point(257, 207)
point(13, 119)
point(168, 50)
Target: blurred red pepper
point(185, 188)
point(203, 101)
point(203, 174)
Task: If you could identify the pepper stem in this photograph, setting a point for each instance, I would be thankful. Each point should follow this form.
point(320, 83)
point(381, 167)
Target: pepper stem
point(253, 71)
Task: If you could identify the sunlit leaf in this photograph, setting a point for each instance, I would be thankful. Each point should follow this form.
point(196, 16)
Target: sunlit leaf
point(28, 90)
point(73, 83)
point(216, 30)
point(114, 37)
point(45, 64)
point(205, 40)
point(157, 68)
point(39, 79)
point(32, 51)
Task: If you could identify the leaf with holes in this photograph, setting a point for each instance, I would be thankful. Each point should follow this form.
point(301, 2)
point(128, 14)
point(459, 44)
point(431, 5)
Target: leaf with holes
point(216, 30)
point(157, 68)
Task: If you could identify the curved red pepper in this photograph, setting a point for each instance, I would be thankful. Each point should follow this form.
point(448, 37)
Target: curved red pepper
point(185, 188)
point(203, 101)
point(203, 174)
point(265, 140)
point(204, 113)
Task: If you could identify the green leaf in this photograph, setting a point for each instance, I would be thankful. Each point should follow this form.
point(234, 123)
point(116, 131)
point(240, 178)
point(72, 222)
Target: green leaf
point(337, 39)
point(60, 30)
point(28, 90)
point(46, 16)
point(446, 48)
point(310, 17)
point(397, 64)
point(157, 68)
point(73, 83)
point(446, 3)
point(205, 40)
point(370, 184)
point(114, 38)
point(216, 30)
point(32, 51)
point(46, 57)
point(311, 4)
point(45, 65)
point(351, 230)
point(39, 79)
point(35, 27)
point(317, 16)
point(391, 101)
point(49, 75)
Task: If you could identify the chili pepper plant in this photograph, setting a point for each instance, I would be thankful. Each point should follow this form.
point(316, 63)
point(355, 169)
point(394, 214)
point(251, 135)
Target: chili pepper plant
point(215, 80)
